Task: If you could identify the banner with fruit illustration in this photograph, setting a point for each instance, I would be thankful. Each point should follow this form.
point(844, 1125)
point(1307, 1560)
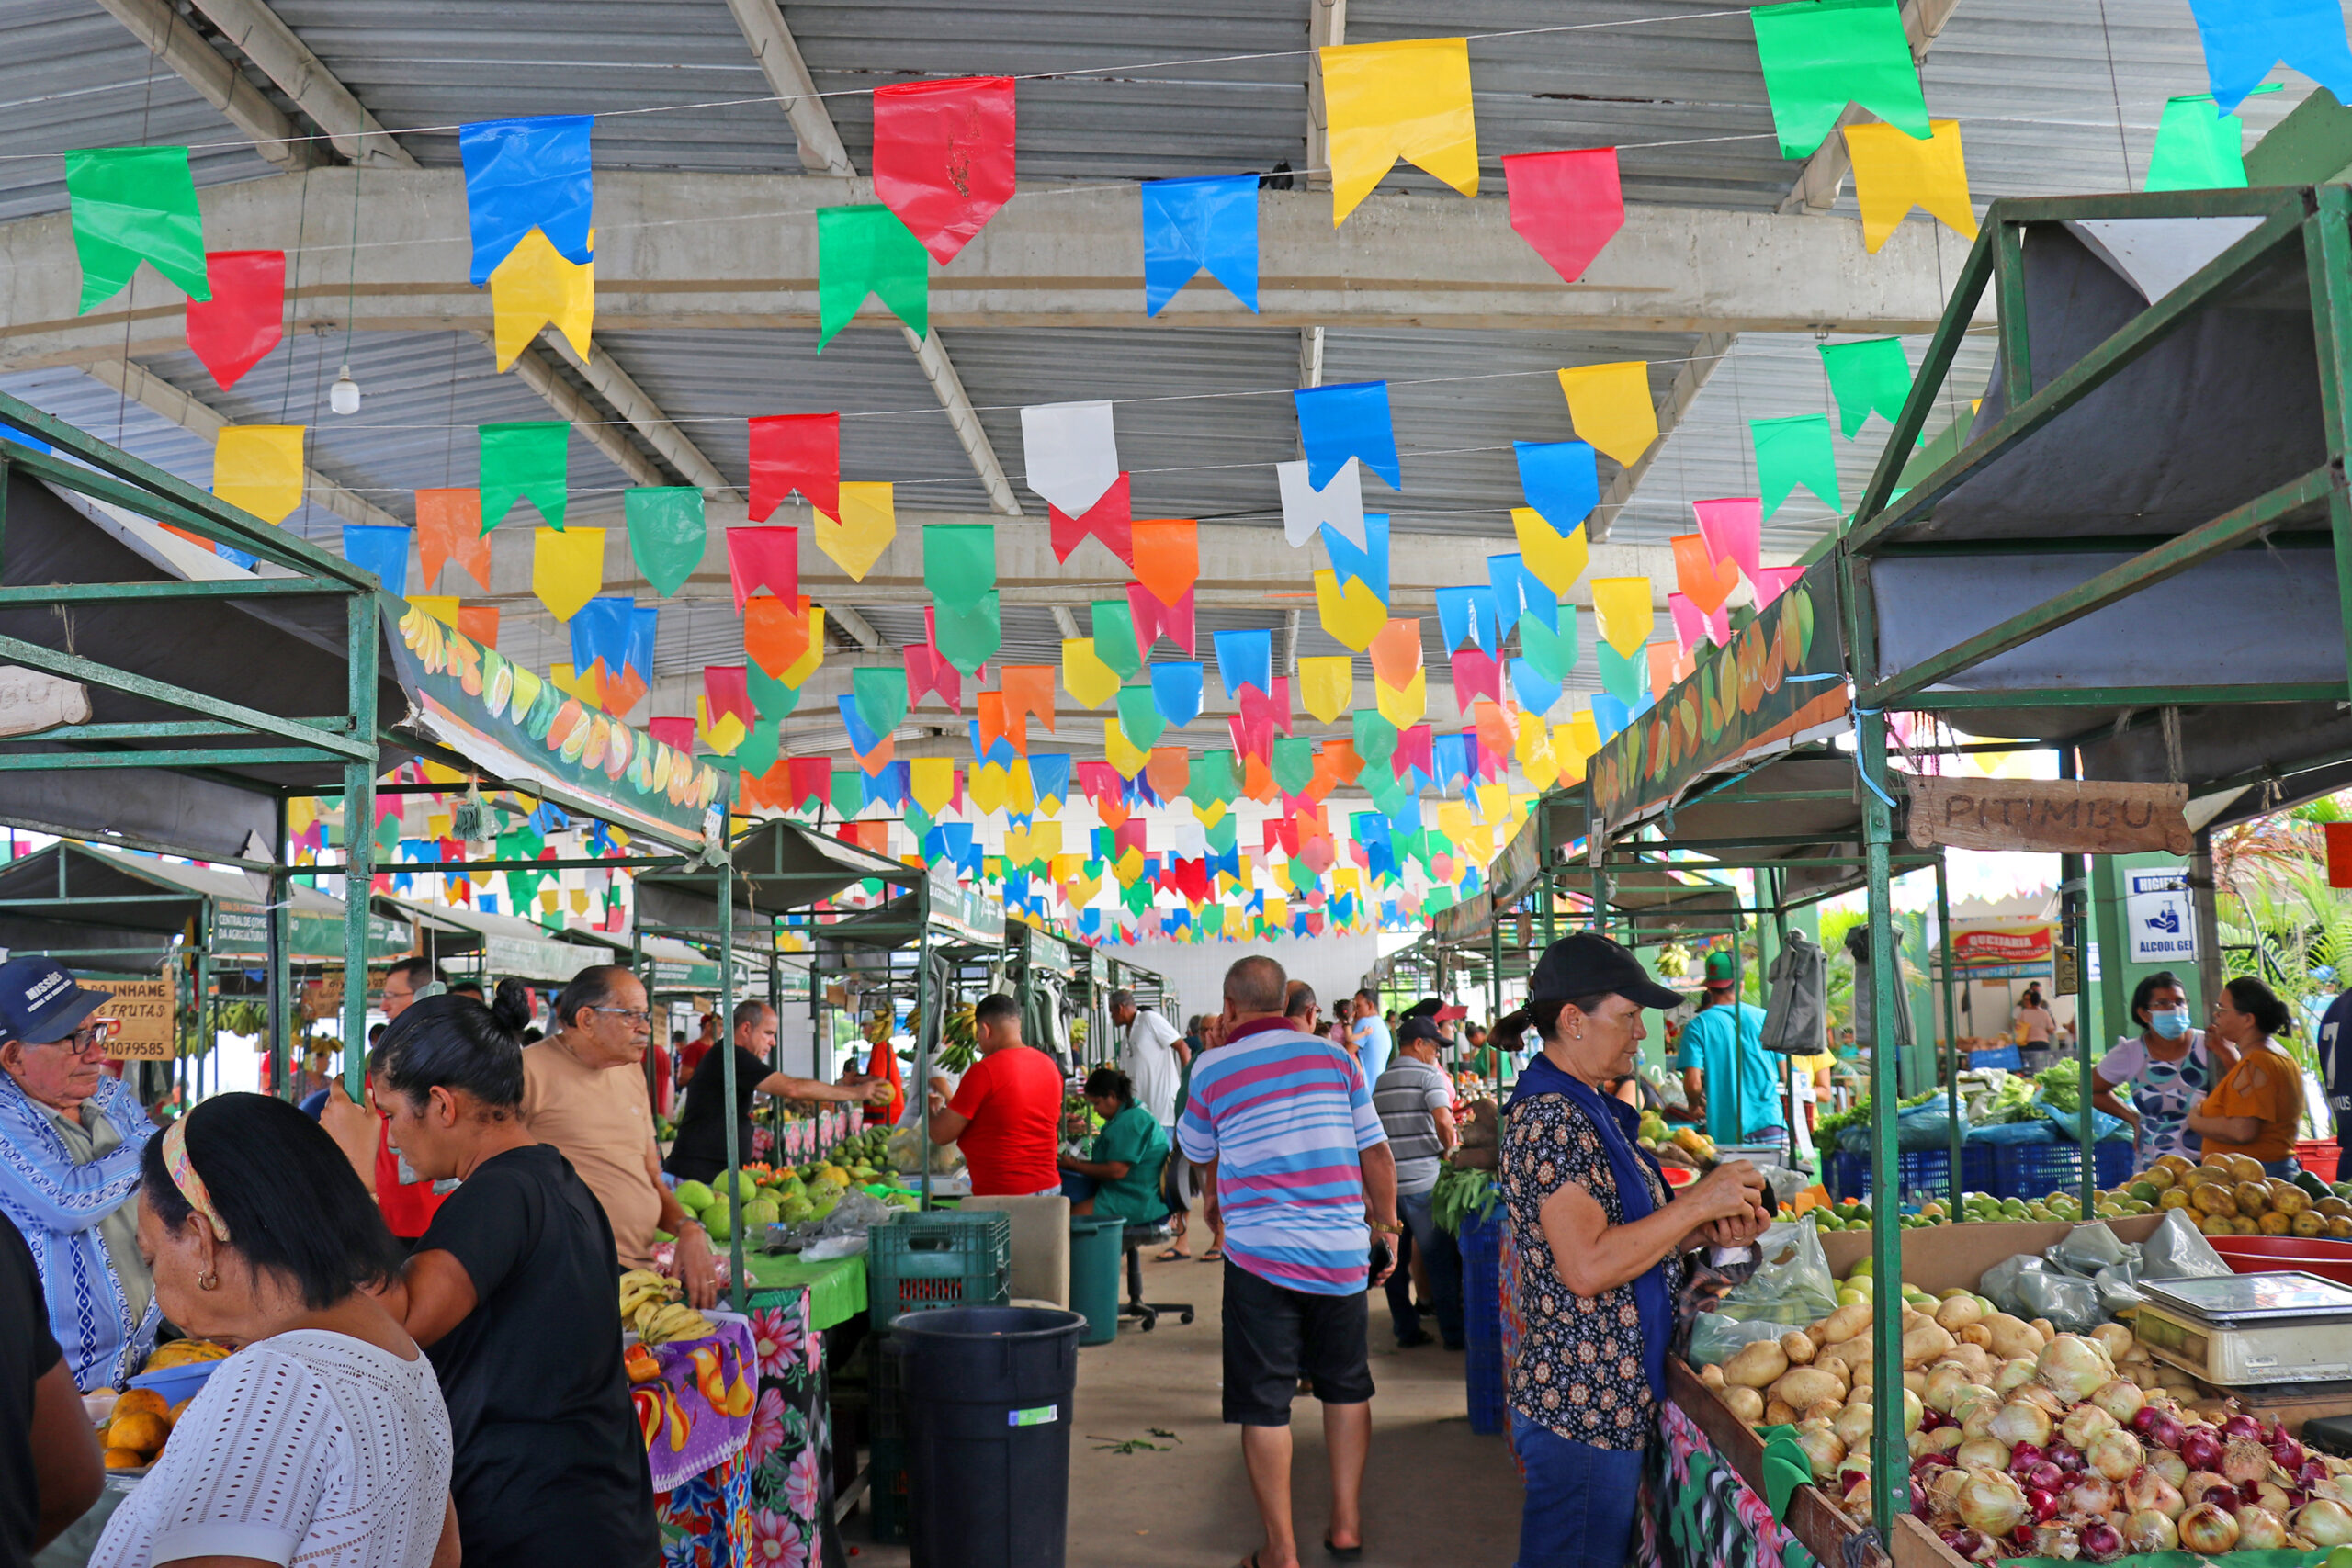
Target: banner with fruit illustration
point(520, 729)
point(1782, 674)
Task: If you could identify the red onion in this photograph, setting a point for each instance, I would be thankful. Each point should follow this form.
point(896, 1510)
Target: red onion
point(2047, 1476)
point(1931, 1418)
point(2065, 1456)
point(2045, 1505)
point(1924, 1463)
point(2023, 1457)
point(2157, 1429)
point(2310, 1473)
point(2102, 1543)
point(1971, 1545)
point(2287, 1451)
point(2200, 1448)
point(2242, 1426)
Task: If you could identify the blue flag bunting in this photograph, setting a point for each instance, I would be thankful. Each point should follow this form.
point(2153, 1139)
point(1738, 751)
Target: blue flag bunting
point(601, 631)
point(1467, 615)
point(523, 174)
point(1369, 565)
point(1002, 753)
point(1609, 714)
point(887, 785)
point(1449, 759)
point(1246, 658)
point(644, 627)
point(1208, 222)
point(2244, 38)
point(1560, 478)
point(1537, 691)
point(862, 740)
point(380, 549)
point(1049, 775)
point(1176, 692)
point(1336, 423)
point(1505, 578)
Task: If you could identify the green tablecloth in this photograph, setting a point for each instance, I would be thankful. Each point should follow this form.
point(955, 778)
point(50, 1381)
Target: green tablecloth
point(836, 1287)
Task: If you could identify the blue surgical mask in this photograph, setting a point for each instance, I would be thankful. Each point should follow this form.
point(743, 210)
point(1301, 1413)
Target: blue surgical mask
point(2171, 1025)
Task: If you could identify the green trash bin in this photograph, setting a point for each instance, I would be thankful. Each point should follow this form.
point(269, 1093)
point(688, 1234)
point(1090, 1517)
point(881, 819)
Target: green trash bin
point(1094, 1255)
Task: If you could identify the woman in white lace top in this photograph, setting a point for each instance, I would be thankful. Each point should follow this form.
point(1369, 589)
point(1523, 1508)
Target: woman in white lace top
point(322, 1441)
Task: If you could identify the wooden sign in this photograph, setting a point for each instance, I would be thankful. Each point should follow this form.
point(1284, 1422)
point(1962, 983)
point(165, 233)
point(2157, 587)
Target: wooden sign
point(2048, 816)
point(145, 1008)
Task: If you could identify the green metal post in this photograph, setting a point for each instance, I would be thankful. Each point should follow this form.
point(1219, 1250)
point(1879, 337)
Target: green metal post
point(727, 1066)
point(2071, 902)
point(1890, 1448)
point(925, 1030)
point(1952, 1028)
point(359, 836)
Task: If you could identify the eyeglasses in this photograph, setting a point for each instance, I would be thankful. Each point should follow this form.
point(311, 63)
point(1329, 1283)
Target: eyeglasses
point(89, 1037)
point(627, 1015)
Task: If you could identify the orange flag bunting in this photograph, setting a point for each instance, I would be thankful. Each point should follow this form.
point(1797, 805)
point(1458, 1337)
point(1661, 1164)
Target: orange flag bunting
point(1706, 584)
point(1169, 769)
point(1167, 556)
point(1663, 656)
point(999, 723)
point(1397, 653)
point(775, 634)
point(478, 621)
point(1028, 691)
point(449, 527)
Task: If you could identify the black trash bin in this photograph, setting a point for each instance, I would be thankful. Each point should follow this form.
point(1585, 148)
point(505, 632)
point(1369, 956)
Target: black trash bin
point(986, 1393)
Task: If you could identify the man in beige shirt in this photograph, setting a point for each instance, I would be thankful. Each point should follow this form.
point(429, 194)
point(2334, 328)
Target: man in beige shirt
point(583, 1092)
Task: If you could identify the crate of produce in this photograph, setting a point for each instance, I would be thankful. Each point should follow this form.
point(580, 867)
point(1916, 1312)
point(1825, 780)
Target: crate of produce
point(939, 1259)
point(1997, 1056)
point(2036, 1171)
point(1921, 1174)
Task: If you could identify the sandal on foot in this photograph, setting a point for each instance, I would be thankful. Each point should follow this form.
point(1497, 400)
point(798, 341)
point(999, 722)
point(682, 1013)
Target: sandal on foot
point(1174, 1255)
point(1213, 1255)
point(1344, 1553)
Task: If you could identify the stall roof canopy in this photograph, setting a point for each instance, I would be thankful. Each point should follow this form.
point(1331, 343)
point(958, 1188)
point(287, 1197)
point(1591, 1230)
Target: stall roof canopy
point(88, 900)
point(779, 866)
point(516, 948)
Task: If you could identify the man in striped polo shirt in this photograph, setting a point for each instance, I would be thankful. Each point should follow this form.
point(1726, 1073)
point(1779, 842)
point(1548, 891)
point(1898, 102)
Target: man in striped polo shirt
point(1301, 1173)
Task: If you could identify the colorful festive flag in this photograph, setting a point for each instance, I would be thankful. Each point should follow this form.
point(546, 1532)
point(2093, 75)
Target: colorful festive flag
point(244, 320)
point(1537, 691)
point(1476, 672)
point(869, 521)
point(2198, 148)
point(880, 692)
point(524, 460)
point(1893, 173)
point(1069, 453)
point(1560, 478)
point(1622, 675)
point(527, 174)
point(1109, 520)
point(479, 623)
point(1407, 99)
point(1326, 685)
point(796, 451)
point(1818, 55)
point(1774, 580)
point(776, 633)
point(2244, 38)
point(667, 534)
point(1087, 680)
point(1554, 557)
point(1245, 659)
point(1625, 612)
point(449, 527)
point(534, 288)
point(958, 562)
point(1552, 652)
point(1609, 406)
point(1733, 527)
point(1869, 377)
point(1352, 420)
point(1338, 506)
point(1396, 652)
point(1467, 615)
point(1208, 222)
point(1353, 615)
point(1400, 705)
point(1693, 626)
point(1791, 452)
point(1368, 565)
point(259, 468)
point(1116, 640)
point(379, 549)
point(135, 204)
point(1167, 556)
point(970, 635)
point(866, 250)
point(1707, 580)
point(1567, 204)
point(1028, 692)
point(1176, 691)
point(1123, 754)
point(567, 568)
point(944, 157)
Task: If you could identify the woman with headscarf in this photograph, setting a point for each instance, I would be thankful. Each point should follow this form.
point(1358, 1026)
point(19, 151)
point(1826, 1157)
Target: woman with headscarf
point(1599, 1243)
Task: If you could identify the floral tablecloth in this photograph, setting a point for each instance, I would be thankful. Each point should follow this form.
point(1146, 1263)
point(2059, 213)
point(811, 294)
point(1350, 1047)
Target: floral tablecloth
point(771, 1505)
point(1711, 1517)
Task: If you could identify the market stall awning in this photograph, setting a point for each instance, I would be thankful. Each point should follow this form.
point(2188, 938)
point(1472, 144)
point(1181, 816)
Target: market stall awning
point(510, 948)
point(779, 865)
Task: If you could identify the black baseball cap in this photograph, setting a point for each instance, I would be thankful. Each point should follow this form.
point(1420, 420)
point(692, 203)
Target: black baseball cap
point(1414, 1028)
point(40, 1003)
point(1590, 964)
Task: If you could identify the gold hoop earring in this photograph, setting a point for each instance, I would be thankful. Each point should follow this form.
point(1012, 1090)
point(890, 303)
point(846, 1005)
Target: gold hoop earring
point(208, 1281)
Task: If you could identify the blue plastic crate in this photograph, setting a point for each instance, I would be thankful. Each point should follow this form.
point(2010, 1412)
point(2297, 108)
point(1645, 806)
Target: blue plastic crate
point(2036, 1171)
point(1481, 1244)
point(1921, 1174)
point(1482, 1375)
point(2113, 1162)
point(1998, 1056)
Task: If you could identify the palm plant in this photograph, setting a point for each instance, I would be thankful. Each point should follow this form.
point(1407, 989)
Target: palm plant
point(2282, 923)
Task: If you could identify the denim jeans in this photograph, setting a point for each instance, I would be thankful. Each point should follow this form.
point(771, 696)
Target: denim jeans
point(1443, 1260)
point(1580, 1500)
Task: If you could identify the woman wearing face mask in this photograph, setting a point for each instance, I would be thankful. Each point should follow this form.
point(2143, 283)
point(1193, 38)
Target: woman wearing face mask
point(2168, 1067)
point(2257, 1107)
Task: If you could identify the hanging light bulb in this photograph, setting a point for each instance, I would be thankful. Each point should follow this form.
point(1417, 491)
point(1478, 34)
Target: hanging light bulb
point(344, 396)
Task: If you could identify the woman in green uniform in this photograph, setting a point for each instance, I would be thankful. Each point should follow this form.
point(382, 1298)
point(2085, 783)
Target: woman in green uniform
point(1128, 1153)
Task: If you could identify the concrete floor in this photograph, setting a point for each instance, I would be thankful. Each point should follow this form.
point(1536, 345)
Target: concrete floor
point(1435, 1494)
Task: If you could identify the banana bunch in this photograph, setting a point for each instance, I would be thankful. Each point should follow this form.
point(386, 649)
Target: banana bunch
point(185, 1352)
point(642, 1287)
point(659, 1323)
point(959, 1039)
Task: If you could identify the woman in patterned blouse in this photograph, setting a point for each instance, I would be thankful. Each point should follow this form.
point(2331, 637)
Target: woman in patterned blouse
point(1599, 1246)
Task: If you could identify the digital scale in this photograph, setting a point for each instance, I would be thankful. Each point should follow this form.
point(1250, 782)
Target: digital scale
point(2248, 1330)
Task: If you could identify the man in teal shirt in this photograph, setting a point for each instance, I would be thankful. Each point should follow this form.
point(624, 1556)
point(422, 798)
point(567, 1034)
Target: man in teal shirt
point(1128, 1153)
point(1732, 1083)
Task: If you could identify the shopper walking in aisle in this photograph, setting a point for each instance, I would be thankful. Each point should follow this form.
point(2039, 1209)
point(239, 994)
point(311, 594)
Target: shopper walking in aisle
point(322, 1441)
point(70, 1140)
point(1125, 1159)
point(584, 1091)
point(2258, 1105)
point(1370, 1036)
point(1730, 1085)
point(1415, 1101)
point(1007, 1112)
point(1153, 1056)
point(510, 1294)
point(1301, 1167)
point(2168, 1067)
point(699, 1152)
point(49, 1472)
point(1600, 1249)
point(2033, 1021)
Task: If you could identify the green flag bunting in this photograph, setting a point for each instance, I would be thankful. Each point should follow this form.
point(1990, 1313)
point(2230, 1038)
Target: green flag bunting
point(849, 792)
point(135, 204)
point(866, 250)
point(1115, 638)
point(1376, 738)
point(959, 561)
point(1867, 377)
point(1224, 834)
point(969, 636)
point(1139, 717)
point(880, 693)
point(757, 753)
point(1552, 653)
point(529, 461)
point(1212, 780)
point(1624, 679)
point(2198, 147)
point(771, 698)
point(666, 532)
point(1818, 55)
point(1793, 452)
point(1294, 762)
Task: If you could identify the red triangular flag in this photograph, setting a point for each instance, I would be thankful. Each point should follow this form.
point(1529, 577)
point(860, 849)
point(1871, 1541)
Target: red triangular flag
point(245, 317)
point(1108, 520)
point(796, 451)
point(943, 157)
point(1567, 204)
point(678, 734)
point(726, 688)
point(1475, 673)
point(764, 558)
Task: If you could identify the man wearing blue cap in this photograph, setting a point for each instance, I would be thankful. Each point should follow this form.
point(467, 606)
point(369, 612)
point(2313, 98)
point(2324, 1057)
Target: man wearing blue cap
point(70, 1138)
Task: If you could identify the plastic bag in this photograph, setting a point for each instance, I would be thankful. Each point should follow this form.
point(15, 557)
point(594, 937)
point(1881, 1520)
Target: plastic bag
point(2177, 1249)
point(2087, 1248)
point(2034, 1132)
point(1716, 1338)
point(2071, 1305)
point(2069, 1125)
point(1921, 1127)
point(2119, 1287)
point(1999, 1283)
point(829, 1247)
point(1792, 1285)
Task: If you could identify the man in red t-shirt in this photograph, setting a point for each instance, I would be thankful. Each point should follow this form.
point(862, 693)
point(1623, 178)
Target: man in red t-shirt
point(1007, 1112)
point(407, 1206)
point(690, 1057)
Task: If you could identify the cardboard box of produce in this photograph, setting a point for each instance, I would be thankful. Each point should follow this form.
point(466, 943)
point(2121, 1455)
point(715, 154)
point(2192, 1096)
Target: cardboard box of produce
point(1944, 1257)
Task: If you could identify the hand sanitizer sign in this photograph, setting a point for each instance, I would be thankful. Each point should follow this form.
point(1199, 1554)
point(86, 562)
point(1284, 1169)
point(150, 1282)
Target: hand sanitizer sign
point(2156, 912)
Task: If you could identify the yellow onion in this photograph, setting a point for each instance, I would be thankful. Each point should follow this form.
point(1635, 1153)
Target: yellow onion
point(2115, 1455)
point(2323, 1521)
point(2169, 1465)
point(2019, 1421)
point(2120, 1399)
point(2149, 1492)
point(1970, 1397)
point(2259, 1530)
point(2085, 1425)
point(2113, 1338)
point(1991, 1501)
point(1822, 1447)
point(1854, 1423)
point(2207, 1530)
point(2074, 1367)
point(2013, 1373)
point(1944, 1380)
point(1982, 1453)
point(2149, 1530)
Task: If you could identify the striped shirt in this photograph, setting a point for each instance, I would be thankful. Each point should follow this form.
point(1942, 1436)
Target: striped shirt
point(1408, 1097)
point(1285, 1116)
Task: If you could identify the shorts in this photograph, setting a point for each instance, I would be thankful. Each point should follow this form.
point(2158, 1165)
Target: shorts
point(1274, 1336)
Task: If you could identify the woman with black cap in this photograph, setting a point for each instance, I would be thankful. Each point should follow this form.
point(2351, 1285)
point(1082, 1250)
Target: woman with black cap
point(1599, 1246)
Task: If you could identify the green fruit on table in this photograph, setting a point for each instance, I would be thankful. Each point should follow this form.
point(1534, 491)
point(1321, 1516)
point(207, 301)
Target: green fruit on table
point(760, 1213)
point(693, 1197)
point(719, 1224)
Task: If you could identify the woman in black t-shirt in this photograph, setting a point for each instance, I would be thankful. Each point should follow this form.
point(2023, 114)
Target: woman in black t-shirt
point(700, 1151)
point(512, 1292)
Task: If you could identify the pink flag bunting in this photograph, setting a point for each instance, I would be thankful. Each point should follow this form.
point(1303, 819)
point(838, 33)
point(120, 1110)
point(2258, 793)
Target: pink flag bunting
point(678, 734)
point(1774, 580)
point(1270, 711)
point(1733, 529)
point(1413, 745)
point(763, 558)
point(727, 689)
point(1567, 204)
point(1477, 673)
point(1692, 626)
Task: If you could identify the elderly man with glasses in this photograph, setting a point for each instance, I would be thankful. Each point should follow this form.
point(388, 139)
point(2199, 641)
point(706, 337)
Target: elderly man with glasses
point(70, 1138)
